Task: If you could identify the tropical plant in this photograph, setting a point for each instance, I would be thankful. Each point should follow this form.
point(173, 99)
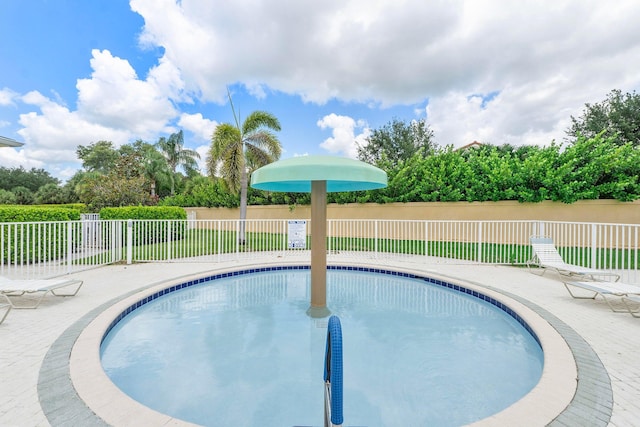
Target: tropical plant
point(175, 154)
point(237, 150)
point(24, 196)
point(49, 194)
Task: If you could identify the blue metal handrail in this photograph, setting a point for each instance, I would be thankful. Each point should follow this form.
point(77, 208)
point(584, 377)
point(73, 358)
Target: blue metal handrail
point(333, 416)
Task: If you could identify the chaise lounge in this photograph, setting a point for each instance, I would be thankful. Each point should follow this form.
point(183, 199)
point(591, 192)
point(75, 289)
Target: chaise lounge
point(5, 308)
point(12, 289)
point(626, 291)
point(634, 299)
point(546, 256)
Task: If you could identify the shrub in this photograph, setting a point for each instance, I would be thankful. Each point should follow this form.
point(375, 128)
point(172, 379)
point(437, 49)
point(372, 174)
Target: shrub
point(29, 239)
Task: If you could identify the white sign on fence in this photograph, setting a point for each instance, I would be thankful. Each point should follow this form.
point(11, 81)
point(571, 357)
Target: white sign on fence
point(297, 235)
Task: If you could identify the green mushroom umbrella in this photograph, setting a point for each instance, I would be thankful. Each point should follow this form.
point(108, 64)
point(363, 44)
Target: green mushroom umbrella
point(318, 175)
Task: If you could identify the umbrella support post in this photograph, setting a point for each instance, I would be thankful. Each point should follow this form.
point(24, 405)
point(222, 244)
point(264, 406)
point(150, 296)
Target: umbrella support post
point(318, 306)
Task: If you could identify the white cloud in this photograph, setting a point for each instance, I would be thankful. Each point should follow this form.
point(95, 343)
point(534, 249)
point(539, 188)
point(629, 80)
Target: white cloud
point(54, 135)
point(531, 114)
point(14, 158)
point(202, 129)
point(544, 60)
point(7, 96)
point(198, 125)
point(203, 150)
point(116, 98)
point(344, 140)
point(113, 105)
point(388, 51)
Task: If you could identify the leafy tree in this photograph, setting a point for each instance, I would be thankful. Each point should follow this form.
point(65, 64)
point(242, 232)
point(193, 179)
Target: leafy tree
point(99, 156)
point(598, 168)
point(536, 173)
point(7, 197)
point(173, 150)
point(202, 191)
point(617, 116)
point(68, 190)
point(129, 164)
point(19, 177)
point(24, 196)
point(396, 142)
point(49, 194)
point(99, 191)
point(492, 173)
point(237, 150)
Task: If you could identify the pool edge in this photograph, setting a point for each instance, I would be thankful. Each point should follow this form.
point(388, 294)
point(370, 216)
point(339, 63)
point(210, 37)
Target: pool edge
point(104, 398)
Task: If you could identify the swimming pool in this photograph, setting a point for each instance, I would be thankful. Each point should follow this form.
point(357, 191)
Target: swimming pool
point(257, 334)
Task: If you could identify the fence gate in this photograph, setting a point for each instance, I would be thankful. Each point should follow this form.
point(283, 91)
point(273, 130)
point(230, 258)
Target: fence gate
point(91, 230)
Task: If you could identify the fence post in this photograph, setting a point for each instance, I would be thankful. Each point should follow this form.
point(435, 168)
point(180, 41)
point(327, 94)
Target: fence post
point(426, 238)
point(479, 255)
point(169, 223)
point(237, 239)
point(129, 241)
point(376, 237)
point(115, 242)
point(594, 246)
point(219, 237)
point(69, 245)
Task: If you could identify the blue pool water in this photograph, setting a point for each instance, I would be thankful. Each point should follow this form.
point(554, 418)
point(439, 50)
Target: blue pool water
point(241, 351)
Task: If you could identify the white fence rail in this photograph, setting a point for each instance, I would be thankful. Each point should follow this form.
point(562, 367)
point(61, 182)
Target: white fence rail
point(46, 249)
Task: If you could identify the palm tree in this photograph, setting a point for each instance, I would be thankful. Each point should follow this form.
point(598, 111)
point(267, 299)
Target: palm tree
point(236, 151)
point(156, 170)
point(176, 155)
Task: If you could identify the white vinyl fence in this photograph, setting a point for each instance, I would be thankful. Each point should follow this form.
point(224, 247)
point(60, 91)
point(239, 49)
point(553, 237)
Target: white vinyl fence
point(46, 249)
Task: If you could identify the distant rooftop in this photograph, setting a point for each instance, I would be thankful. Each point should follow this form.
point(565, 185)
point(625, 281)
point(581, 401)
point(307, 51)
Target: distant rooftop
point(474, 144)
point(8, 142)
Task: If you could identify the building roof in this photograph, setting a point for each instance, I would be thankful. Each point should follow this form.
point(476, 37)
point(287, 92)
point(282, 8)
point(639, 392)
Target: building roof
point(8, 142)
point(474, 144)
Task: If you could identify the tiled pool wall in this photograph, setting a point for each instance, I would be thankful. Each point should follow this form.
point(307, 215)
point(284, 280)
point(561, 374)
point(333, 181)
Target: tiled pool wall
point(505, 308)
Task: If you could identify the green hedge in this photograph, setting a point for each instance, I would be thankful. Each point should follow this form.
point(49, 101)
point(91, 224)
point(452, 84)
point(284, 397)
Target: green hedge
point(153, 232)
point(39, 213)
point(33, 241)
point(143, 212)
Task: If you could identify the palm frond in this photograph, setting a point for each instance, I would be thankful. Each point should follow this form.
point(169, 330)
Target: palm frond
point(260, 119)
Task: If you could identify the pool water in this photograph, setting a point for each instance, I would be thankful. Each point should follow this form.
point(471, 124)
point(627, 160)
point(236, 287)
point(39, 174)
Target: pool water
point(242, 351)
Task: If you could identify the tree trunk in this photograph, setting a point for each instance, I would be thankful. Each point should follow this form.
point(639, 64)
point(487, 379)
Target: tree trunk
point(243, 205)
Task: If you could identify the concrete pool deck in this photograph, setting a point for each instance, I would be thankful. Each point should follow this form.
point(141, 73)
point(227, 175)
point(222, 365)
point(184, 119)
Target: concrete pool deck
point(29, 338)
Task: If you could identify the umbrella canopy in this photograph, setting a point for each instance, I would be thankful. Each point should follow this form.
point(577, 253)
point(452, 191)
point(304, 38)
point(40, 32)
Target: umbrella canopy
point(295, 175)
point(318, 175)
point(8, 142)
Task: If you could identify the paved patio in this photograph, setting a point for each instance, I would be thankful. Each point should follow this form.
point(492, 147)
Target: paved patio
point(26, 336)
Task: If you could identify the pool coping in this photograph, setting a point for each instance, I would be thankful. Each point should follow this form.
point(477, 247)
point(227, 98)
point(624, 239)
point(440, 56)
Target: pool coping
point(70, 367)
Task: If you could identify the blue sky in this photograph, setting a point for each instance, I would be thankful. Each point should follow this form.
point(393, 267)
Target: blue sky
point(73, 72)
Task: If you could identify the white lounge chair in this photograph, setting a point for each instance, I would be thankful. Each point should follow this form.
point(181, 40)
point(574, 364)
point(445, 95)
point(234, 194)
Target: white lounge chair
point(607, 288)
point(634, 299)
point(5, 308)
point(546, 256)
point(11, 289)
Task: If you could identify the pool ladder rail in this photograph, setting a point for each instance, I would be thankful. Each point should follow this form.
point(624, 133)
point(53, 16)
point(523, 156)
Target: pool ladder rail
point(333, 416)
